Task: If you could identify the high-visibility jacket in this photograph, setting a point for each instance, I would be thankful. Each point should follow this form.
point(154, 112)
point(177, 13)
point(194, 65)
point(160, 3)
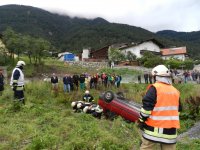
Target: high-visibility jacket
point(163, 120)
point(165, 113)
point(20, 81)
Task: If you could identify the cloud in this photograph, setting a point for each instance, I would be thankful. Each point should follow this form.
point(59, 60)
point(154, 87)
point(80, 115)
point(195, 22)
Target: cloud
point(153, 15)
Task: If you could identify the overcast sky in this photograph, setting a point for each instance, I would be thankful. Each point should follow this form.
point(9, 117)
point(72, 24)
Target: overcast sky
point(153, 15)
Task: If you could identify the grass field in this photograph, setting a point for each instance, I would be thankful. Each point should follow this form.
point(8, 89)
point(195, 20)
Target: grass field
point(47, 122)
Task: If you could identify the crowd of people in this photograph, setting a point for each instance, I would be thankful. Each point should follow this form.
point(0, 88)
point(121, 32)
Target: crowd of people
point(176, 76)
point(148, 78)
point(191, 75)
point(86, 81)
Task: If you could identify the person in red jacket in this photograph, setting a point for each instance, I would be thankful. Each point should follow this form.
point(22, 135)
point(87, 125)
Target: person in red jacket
point(159, 115)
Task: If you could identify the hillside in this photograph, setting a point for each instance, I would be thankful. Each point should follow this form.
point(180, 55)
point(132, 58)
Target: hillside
point(191, 39)
point(74, 34)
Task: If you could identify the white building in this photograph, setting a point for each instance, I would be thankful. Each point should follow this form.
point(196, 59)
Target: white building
point(85, 54)
point(177, 53)
point(151, 45)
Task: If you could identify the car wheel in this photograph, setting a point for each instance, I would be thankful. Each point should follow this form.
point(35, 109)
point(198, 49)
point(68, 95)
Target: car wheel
point(108, 96)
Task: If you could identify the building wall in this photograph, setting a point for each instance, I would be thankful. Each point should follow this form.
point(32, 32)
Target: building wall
point(101, 53)
point(85, 54)
point(89, 64)
point(180, 57)
point(143, 46)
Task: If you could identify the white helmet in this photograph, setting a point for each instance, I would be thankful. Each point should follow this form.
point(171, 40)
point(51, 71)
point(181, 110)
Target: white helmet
point(160, 70)
point(73, 104)
point(98, 109)
point(85, 109)
point(79, 105)
point(21, 63)
point(87, 92)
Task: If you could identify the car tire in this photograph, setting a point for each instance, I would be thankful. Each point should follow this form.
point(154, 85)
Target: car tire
point(108, 96)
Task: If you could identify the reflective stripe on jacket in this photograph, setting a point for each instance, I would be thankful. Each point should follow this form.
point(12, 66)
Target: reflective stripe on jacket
point(165, 113)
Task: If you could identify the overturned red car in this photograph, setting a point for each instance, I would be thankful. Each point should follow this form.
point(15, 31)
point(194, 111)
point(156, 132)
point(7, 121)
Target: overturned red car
point(115, 104)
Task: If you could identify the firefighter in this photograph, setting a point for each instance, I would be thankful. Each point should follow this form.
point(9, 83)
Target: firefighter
point(159, 115)
point(94, 110)
point(87, 97)
point(17, 82)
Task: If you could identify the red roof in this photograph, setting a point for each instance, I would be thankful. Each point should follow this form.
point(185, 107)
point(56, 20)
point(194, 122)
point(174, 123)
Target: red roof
point(173, 51)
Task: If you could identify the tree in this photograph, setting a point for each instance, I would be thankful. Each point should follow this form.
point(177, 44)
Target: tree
point(115, 55)
point(37, 49)
point(130, 56)
point(188, 63)
point(18, 43)
point(150, 60)
point(173, 63)
point(11, 42)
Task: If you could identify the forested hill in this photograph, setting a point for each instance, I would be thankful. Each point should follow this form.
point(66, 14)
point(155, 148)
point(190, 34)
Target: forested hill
point(191, 39)
point(68, 33)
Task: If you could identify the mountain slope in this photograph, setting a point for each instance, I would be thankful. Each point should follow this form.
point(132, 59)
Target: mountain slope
point(184, 36)
point(190, 39)
point(74, 34)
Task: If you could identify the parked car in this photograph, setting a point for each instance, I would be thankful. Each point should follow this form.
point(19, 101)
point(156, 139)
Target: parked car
point(115, 104)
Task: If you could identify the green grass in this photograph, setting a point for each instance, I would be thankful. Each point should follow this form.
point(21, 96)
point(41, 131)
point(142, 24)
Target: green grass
point(47, 122)
point(50, 65)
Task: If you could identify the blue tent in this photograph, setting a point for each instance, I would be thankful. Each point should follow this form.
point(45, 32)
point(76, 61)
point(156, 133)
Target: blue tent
point(69, 57)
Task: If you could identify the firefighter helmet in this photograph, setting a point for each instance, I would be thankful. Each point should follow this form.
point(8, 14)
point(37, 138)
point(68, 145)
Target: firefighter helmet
point(160, 70)
point(20, 63)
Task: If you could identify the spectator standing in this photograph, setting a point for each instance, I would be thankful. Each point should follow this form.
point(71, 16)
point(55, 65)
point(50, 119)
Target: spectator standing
point(150, 78)
point(82, 81)
point(104, 79)
point(146, 76)
point(117, 81)
point(109, 80)
point(67, 81)
point(54, 82)
point(96, 78)
point(1, 82)
point(87, 81)
point(75, 80)
point(185, 74)
point(91, 82)
point(139, 79)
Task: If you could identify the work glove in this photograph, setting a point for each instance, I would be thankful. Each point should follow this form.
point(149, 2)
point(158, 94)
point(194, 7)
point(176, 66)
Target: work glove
point(14, 85)
point(141, 125)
